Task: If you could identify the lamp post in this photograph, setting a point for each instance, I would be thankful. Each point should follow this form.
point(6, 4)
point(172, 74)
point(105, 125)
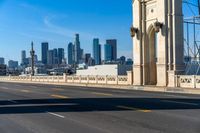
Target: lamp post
point(32, 52)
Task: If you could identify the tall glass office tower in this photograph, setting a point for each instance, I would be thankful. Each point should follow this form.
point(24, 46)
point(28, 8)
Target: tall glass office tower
point(97, 51)
point(45, 49)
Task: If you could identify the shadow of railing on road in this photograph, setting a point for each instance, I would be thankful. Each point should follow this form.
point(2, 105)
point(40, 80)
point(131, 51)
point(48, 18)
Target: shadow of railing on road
point(95, 104)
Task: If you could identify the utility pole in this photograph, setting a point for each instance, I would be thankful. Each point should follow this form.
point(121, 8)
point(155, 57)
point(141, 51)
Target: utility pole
point(32, 52)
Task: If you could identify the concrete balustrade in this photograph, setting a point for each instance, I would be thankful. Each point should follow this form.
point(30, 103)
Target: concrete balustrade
point(188, 81)
point(184, 81)
point(111, 80)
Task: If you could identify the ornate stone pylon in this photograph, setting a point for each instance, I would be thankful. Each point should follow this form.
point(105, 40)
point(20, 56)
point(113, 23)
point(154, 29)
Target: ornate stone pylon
point(158, 41)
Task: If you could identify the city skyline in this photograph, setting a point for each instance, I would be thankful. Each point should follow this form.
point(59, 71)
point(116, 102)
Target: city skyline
point(57, 23)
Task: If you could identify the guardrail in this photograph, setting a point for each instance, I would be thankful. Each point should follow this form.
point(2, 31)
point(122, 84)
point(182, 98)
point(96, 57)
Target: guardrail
point(111, 80)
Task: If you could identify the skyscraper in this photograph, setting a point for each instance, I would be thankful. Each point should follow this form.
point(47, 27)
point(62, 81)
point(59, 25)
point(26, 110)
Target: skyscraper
point(81, 54)
point(2, 61)
point(61, 55)
point(113, 43)
point(50, 57)
point(70, 53)
point(87, 58)
point(55, 56)
point(108, 52)
point(77, 54)
point(13, 64)
point(45, 48)
point(97, 51)
point(23, 57)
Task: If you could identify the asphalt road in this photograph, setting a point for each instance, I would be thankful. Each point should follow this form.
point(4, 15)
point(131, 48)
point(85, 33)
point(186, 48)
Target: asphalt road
point(35, 108)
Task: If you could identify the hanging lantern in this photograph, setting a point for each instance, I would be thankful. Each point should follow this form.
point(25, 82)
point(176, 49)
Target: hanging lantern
point(134, 31)
point(157, 26)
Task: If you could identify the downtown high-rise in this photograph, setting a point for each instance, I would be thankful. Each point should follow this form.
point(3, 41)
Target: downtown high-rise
point(2, 61)
point(113, 44)
point(50, 59)
point(55, 56)
point(23, 57)
point(108, 50)
point(45, 49)
point(70, 51)
point(96, 51)
point(77, 49)
point(61, 55)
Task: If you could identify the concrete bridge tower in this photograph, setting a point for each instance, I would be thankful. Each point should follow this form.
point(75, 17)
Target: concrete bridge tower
point(158, 41)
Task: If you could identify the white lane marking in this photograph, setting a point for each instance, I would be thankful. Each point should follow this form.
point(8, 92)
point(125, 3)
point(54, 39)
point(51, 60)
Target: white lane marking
point(61, 116)
point(33, 86)
point(171, 101)
point(118, 91)
point(5, 88)
point(177, 96)
point(18, 85)
point(12, 101)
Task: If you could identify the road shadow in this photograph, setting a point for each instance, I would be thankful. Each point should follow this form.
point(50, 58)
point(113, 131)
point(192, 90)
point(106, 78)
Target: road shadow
point(95, 104)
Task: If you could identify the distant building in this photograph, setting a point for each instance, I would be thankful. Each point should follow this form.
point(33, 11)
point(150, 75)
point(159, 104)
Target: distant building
point(77, 52)
point(96, 51)
point(3, 70)
point(24, 60)
point(129, 62)
point(45, 48)
point(50, 57)
point(70, 52)
point(81, 54)
point(55, 56)
point(23, 57)
point(61, 55)
point(35, 59)
point(2, 61)
point(87, 57)
point(122, 60)
point(13, 64)
point(91, 62)
point(108, 53)
point(113, 43)
point(104, 70)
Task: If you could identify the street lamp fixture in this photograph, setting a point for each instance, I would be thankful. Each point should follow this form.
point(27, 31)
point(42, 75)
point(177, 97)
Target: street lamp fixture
point(134, 31)
point(158, 26)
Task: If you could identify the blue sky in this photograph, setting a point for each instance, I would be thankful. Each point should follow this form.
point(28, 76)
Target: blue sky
point(56, 21)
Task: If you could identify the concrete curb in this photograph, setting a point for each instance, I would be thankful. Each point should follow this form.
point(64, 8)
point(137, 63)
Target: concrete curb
point(138, 88)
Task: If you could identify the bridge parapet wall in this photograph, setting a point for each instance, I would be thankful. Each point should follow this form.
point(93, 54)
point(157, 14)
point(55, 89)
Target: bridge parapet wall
point(96, 79)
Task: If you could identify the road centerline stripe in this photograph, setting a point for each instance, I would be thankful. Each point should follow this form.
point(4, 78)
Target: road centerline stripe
point(5, 88)
point(103, 94)
point(54, 114)
point(26, 91)
point(171, 101)
point(57, 89)
point(59, 96)
point(135, 109)
point(12, 101)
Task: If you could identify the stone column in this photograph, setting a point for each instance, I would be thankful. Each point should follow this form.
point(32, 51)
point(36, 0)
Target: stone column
point(130, 77)
point(137, 41)
point(177, 42)
point(162, 44)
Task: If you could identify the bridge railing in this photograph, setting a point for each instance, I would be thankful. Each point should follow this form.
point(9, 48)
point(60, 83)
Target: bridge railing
point(185, 81)
point(188, 81)
point(96, 79)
